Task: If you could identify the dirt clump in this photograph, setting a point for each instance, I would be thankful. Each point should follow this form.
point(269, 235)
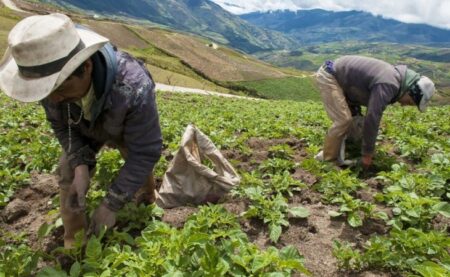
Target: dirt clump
point(261, 147)
point(260, 151)
point(28, 211)
point(176, 217)
point(304, 176)
point(15, 210)
point(366, 195)
point(374, 226)
point(441, 222)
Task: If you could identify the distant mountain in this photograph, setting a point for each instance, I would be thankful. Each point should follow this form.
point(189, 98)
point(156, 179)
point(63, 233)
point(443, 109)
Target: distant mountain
point(320, 26)
point(201, 17)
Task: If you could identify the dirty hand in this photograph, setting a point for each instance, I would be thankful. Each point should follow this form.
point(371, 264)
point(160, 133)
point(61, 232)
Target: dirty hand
point(78, 189)
point(366, 161)
point(103, 216)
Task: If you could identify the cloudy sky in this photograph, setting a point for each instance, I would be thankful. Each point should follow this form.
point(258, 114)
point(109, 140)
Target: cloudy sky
point(433, 12)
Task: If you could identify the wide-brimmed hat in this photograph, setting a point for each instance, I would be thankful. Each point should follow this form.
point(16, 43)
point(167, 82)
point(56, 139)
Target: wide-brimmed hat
point(43, 50)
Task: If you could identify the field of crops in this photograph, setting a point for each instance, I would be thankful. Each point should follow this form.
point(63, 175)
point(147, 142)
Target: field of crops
point(291, 88)
point(290, 216)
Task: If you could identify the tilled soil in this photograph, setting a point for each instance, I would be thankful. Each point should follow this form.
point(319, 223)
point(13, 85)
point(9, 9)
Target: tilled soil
point(313, 236)
point(29, 210)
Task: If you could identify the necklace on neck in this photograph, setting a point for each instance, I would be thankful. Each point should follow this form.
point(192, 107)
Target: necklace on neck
point(70, 121)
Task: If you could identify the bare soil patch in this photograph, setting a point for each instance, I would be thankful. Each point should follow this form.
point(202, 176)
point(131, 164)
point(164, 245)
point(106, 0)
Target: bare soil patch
point(313, 236)
point(28, 211)
point(119, 35)
point(217, 64)
point(260, 152)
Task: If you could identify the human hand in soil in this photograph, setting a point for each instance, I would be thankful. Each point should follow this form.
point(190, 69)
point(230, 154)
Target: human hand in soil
point(366, 161)
point(78, 189)
point(212, 198)
point(103, 216)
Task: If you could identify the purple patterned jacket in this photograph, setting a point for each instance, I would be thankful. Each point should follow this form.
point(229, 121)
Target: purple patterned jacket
point(124, 114)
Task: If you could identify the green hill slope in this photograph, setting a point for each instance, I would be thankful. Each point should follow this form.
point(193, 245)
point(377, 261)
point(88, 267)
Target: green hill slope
point(201, 17)
point(430, 61)
point(185, 60)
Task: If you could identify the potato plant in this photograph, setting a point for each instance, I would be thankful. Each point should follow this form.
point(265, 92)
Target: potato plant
point(413, 173)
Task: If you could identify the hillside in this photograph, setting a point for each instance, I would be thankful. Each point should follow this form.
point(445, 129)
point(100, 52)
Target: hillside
point(431, 61)
point(184, 60)
point(289, 216)
point(201, 17)
point(319, 26)
point(210, 65)
point(180, 59)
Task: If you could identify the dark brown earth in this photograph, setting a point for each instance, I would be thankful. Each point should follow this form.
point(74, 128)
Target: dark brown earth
point(313, 236)
point(30, 209)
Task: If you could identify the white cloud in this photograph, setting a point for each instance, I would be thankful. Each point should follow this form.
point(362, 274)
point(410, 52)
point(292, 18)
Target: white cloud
point(432, 12)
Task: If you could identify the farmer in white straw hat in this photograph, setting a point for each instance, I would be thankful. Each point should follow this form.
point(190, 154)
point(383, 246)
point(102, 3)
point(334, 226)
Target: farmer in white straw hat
point(354, 81)
point(93, 94)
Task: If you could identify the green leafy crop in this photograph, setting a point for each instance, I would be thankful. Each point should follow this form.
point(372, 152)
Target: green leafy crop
point(210, 244)
point(410, 251)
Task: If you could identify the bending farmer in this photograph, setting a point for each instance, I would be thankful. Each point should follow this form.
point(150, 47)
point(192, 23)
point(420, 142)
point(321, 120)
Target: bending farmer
point(354, 81)
point(93, 95)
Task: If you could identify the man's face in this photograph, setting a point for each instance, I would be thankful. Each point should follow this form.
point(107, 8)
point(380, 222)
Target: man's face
point(74, 87)
point(406, 100)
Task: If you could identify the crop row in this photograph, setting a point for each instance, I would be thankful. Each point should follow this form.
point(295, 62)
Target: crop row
point(412, 165)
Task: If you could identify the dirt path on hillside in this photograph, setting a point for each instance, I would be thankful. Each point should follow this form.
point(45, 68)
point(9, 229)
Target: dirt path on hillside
point(169, 88)
point(10, 4)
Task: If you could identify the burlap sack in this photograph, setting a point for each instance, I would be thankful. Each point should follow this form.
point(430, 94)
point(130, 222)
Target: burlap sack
point(355, 131)
point(188, 180)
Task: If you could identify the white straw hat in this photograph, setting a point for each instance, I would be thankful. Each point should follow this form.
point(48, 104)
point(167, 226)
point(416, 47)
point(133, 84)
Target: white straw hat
point(43, 50)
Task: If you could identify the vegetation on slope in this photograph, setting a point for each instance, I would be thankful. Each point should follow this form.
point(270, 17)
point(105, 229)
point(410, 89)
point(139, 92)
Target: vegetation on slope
point(316, 26)
point(429, 61)
point(411, 167)
point(291, 88)
point(200, 17)
point(408, 185)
